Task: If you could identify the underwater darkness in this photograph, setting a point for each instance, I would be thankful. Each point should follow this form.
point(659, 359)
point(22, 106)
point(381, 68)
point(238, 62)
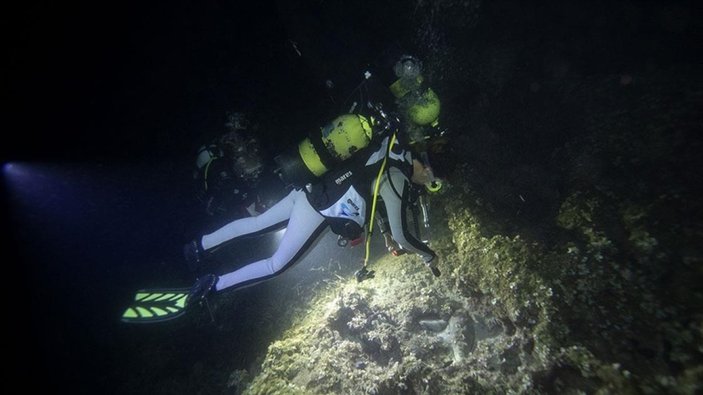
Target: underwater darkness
point(108, 104)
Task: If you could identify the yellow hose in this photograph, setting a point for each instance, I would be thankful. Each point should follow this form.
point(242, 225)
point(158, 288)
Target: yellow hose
point(375, 199)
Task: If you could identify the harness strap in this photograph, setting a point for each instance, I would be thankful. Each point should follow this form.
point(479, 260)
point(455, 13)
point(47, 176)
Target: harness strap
point(327, 159)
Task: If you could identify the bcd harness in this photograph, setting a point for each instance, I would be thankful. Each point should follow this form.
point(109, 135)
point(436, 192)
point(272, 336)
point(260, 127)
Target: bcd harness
point(347, 216)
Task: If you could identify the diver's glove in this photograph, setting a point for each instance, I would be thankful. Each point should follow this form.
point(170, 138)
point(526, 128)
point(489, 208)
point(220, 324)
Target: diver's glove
point(362, 274)
point(432, 264)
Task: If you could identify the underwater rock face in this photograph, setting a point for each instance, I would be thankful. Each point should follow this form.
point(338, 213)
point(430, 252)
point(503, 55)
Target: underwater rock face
point(571, 256)
point(433, 325)
point(488, 325)
point(507, 316)
point(396, 334)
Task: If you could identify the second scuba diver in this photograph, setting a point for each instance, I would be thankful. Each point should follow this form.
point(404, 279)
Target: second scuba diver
point(227, 172)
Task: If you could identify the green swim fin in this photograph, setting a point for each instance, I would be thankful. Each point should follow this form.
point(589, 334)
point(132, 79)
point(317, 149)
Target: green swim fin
point(157, 305)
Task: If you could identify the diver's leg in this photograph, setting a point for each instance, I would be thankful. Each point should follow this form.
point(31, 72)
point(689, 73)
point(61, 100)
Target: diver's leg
point(385, 229)
point(396, 207)
point(266, 221)
point(304, 227)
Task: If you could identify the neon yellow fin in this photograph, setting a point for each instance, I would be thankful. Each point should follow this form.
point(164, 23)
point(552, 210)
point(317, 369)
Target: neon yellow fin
point(156, 305)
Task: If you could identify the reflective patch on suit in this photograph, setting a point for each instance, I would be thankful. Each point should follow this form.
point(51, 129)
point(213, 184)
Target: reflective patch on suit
point(350, 206)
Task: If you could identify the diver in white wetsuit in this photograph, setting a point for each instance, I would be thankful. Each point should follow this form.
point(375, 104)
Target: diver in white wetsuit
point(339, 174)
point(340, 198)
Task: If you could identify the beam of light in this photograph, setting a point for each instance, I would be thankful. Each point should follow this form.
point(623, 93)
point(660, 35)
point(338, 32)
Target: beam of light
point(8, 167)
point(87, 211)
point(38, 191)
point(50, 206)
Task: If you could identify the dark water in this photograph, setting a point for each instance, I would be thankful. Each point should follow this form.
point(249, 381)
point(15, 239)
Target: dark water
point(109, 103)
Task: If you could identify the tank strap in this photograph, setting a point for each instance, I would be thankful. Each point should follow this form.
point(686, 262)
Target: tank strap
point(326, 158)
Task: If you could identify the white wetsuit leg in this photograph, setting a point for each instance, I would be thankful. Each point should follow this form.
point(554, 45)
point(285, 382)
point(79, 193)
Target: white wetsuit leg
point(304, 226)
point(396, 207)
point(268, 220)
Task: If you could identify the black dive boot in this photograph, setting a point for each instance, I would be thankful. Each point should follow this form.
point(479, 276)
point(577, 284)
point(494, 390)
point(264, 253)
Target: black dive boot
point(432, 265)
point(194, 254)
point(202, 287)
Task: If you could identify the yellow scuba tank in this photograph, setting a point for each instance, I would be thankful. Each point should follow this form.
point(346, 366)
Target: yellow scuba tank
point(321, 151)
point(422, 105)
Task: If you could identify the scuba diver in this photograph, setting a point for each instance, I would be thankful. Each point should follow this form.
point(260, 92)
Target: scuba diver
point(341, 176)
point(227, 172)
point(342, 198)
point(418, 107)
point(338, 175)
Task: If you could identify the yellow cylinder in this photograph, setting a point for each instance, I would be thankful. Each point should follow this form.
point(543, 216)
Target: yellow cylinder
point(311, 158)
point(323, 150)
point(341, 138)
point(426, 110)
point(346, 134)
point(403, 86)
point(422, 108)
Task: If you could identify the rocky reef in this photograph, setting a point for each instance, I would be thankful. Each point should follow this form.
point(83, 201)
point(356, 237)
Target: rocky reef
point(570, 236)
point(569, 232)
point(507, 316)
